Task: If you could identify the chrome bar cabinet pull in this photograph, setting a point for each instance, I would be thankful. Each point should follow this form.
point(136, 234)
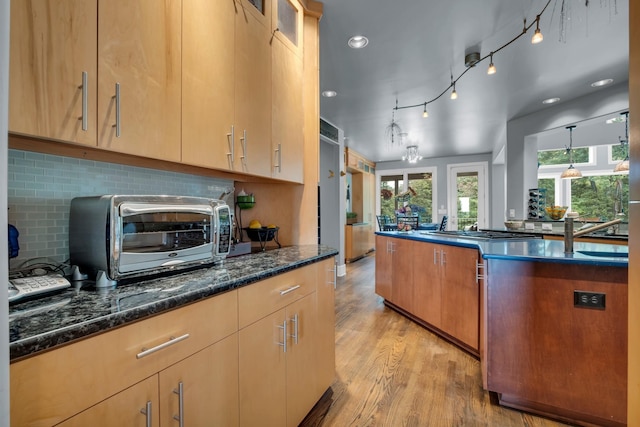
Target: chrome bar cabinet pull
point(180, 392)
point(243, 144)
point(283, 344)
point(85, 101)
point(291, 289)
point(172, 341)
point(278, 165)
point(294, 319)
point(231, 139)
point(147, 412)
point(117, 98)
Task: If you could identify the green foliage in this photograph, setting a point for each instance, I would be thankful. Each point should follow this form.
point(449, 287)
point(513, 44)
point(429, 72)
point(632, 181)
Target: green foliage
point(561, 157)
point(605, 197)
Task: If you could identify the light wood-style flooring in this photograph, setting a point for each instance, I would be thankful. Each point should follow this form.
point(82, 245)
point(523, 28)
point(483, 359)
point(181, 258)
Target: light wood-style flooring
point(392, 372)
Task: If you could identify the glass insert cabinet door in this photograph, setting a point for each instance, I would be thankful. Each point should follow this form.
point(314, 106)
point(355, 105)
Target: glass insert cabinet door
point(467, 195)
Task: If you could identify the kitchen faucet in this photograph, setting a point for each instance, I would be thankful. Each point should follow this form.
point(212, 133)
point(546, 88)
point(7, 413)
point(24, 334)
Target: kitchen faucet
point(569, 234)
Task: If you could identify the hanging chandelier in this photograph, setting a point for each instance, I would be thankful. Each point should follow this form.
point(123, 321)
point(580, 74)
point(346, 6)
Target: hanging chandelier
point(571, 172)
point(623, 166)
point(412, 155)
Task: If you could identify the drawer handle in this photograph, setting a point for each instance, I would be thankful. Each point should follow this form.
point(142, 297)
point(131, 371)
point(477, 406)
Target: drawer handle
point(172, 341)
point(85, 101)
point(180, 392)
point(291, 289)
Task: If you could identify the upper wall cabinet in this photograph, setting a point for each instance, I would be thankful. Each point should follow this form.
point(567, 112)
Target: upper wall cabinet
point(253, 86)
point(226, 120)
point(208, 83)
point(105, 74)
point(53, 69)
point(287, 80)
point(139, 89)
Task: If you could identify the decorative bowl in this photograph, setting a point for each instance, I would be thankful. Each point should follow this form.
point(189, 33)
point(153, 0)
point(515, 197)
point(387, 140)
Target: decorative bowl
point(262, 234)
point(556, 212)
point(514, 224)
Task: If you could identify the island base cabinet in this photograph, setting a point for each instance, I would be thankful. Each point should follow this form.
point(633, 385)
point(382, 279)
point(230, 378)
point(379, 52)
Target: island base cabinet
point(549, 356)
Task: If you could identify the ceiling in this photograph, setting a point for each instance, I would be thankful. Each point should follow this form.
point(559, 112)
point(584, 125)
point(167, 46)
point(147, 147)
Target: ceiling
point(416, 46)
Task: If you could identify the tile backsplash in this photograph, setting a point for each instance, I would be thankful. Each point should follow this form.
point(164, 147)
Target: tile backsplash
point(40, 188)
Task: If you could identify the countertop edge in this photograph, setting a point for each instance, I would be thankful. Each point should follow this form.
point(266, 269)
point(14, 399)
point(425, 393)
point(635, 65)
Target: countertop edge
point(48, 340)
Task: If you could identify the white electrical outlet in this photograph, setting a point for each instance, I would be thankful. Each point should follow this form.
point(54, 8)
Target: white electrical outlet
point(512, 213)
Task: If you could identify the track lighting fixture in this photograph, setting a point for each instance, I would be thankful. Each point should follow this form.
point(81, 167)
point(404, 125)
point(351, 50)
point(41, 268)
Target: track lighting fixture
point(537, 35)
point(492, 68)
point(473, 58)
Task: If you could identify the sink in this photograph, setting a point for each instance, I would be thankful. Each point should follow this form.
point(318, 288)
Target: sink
point(605, 254)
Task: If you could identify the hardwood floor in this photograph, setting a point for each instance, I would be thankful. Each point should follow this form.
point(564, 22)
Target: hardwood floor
point(392, 372)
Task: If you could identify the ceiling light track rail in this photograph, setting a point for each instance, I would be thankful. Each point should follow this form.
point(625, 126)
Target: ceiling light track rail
point(452, 85)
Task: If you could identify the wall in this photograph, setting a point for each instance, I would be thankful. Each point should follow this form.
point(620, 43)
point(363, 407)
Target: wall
point(41, 186)
point(4, 129)
point(330, 228)
point(521, 150)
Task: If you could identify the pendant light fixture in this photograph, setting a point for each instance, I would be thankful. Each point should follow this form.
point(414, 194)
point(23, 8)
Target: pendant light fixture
point(623, 166)
point(571, 172)
point(425, 114)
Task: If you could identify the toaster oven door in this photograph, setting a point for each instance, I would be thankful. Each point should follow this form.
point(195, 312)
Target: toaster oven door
point(155, 236)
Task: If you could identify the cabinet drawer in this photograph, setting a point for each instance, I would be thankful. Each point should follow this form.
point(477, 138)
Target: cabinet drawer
point(267, 296)
point(50, 387)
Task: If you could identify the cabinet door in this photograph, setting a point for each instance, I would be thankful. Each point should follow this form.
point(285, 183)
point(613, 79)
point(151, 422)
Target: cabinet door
point(262, 376)
point(384, 266)
point(52, 44)
point(209, 382)
point(208, 85)
point(139, 49)
point(301, 359)
point(287, 112)
point(427, 283)
point(402, 274)
point(326, 331)
point(127, 408)
point(460, 295)
point(253, 88)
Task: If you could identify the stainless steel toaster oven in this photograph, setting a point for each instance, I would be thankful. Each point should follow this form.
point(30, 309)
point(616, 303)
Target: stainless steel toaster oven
point(113, 237)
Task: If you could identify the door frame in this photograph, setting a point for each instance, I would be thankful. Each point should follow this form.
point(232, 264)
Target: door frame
point(482, 168)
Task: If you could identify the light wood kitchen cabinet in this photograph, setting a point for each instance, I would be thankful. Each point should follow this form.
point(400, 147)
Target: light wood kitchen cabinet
point(358, 240)
point(286, 90)
point(208, 79)
point(253, 88)
point(279, 363)
point(326, 332)
point(140, 77)
point(53, 50)
point(207, 384)
point(51, 387)
point(131, 407)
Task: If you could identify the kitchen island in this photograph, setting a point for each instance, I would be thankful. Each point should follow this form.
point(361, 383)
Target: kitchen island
point(549, 328)
point(209, 343)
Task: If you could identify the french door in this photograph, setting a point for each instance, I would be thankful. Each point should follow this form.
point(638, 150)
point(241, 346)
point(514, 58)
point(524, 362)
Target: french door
point(467, 195)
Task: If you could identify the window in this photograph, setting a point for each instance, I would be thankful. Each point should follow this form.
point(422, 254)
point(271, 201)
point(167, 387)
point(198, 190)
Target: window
point(400, 189)
point(600, 197)
point(390, 187)
point(561, 157)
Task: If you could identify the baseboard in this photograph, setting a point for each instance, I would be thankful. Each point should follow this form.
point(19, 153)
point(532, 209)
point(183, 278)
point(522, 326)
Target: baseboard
point(342, 270)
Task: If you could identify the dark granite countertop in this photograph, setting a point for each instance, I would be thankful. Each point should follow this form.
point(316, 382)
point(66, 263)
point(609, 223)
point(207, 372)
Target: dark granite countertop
point(535, 249)
point(44, 323)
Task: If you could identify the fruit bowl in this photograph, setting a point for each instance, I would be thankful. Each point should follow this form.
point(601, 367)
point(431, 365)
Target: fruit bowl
point(263, 235)
point(556, 212)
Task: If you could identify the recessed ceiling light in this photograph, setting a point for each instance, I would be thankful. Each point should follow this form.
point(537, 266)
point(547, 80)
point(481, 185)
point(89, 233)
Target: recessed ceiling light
point(615, 120)
point(358, 42)
point(551, 100)
point(329, 93)
point(602, 82)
